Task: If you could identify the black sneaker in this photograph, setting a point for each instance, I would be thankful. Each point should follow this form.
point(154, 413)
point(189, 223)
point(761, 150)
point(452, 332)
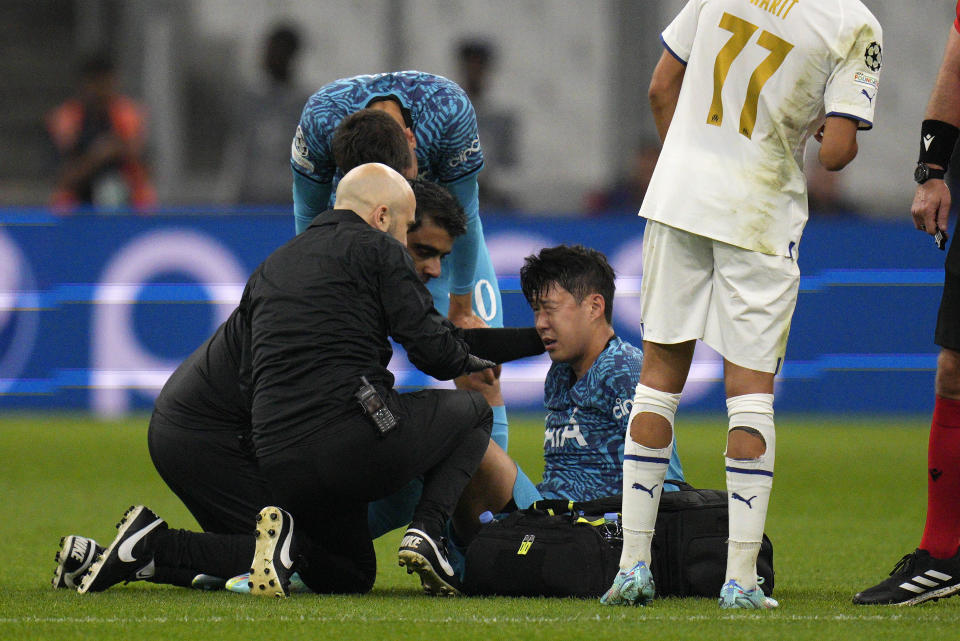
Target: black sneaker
point(124, 560)
point(273, 558)
point(916, 578)
point(420, 553)
point(74, 557)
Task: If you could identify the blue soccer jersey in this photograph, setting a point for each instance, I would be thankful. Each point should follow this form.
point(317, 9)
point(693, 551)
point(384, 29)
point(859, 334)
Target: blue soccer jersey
point(444, 124)
point(586, 424)
point(442, 119)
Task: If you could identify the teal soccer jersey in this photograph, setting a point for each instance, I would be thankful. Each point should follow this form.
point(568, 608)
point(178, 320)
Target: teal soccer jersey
point(441, 117)
point(586, 424)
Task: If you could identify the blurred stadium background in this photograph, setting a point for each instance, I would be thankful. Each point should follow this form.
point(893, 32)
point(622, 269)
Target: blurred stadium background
point(97, 307)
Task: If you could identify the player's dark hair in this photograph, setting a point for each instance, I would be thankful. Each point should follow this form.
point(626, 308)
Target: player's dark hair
point(579, 270)
point(440, 206)
point(370, 135)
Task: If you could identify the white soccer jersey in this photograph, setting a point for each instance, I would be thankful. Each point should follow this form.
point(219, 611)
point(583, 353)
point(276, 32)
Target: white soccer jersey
point(761, 75)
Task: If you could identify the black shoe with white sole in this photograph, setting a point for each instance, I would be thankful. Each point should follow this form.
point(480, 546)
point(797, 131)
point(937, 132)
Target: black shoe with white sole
point(916, 578)
point(275, 551)
point(127, 558)
point(74, 557)
point(427, 556)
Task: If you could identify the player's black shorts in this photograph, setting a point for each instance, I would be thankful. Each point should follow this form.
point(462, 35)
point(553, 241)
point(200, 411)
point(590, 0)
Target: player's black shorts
point(948, 320)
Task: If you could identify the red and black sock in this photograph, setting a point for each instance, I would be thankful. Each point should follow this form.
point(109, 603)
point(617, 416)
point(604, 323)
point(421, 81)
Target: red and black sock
point(941, 534)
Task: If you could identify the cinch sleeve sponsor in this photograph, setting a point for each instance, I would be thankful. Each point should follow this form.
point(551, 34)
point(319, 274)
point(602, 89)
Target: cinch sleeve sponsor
point(458, 152)
point(851, 90)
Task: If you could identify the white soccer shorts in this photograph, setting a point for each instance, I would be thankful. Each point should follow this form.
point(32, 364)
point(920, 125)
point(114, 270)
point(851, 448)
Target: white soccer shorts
point(739, 302)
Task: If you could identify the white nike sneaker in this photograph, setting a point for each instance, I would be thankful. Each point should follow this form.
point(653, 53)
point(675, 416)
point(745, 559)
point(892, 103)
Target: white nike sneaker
point(273, 558)
point(126, 559)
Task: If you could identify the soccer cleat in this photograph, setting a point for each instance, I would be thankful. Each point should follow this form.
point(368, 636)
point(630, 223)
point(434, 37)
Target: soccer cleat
point(124, 560)
point(241, 584)
point(74, 557)
point(420, 553)
point(272, 564)
point(631, 587)
point(916, 578)
point(732, 596)
point(207, 583)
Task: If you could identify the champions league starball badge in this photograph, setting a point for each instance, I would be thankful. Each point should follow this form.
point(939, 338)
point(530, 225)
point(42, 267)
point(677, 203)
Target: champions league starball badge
point(873, 57)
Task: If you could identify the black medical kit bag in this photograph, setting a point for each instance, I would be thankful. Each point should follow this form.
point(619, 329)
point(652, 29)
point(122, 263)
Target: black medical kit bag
point(561, 548)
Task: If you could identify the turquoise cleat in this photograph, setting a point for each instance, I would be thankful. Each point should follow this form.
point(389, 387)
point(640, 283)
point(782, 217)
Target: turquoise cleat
point(631, 587)
point(734, 596)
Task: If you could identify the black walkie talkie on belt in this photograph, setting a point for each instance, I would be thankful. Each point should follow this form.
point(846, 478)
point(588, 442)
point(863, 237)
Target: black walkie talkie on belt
point(374, 407)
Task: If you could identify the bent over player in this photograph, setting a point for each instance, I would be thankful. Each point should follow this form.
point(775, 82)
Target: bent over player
point(441, 127)
point(740, 88)
point(932, 571)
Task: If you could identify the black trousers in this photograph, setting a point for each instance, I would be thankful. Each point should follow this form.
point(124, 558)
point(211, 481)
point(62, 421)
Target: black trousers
point(948, 318)
point(215, 474)
point(442, 436)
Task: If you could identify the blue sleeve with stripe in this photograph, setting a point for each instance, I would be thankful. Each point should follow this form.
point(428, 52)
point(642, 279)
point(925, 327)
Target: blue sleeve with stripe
point(466, 249)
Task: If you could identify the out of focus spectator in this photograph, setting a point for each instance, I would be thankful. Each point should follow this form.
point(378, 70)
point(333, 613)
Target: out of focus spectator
point(626, 194)
point(100, 135)
point(499, 125)
point(258, 163)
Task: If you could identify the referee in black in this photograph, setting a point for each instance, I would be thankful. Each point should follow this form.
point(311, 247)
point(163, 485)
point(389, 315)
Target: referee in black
point(321, 309)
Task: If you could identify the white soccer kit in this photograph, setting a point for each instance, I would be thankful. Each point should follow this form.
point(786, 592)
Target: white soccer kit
point(761, 75)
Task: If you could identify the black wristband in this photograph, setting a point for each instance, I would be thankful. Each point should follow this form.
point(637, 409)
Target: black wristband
point(937, 139)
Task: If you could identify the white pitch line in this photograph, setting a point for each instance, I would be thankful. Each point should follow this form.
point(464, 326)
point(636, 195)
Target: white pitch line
point(473, 619)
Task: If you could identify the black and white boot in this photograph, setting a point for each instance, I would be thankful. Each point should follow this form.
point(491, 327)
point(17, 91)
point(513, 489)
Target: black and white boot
point(427, 556)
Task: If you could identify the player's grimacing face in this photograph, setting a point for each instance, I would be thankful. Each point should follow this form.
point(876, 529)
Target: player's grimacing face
point(563, 324)
point(428, 245)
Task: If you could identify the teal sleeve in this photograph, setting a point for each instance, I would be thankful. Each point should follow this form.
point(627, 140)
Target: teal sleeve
point(309, 199)
point(463, 259)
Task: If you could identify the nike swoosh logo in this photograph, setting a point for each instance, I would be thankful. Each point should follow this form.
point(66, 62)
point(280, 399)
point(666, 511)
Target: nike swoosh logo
point(125, 551)
point(444, 565)
point(147, 571)
point(285, 548)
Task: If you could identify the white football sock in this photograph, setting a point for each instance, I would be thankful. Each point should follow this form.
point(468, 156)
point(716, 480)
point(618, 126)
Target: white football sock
point(644, 469)
point(749, 483)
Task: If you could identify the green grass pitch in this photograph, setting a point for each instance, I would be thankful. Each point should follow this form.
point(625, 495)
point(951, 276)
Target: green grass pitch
point(849, 500)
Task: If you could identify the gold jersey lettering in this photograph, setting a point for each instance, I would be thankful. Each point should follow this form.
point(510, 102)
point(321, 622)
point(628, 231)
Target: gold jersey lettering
point(792, 4)
point(779, 8)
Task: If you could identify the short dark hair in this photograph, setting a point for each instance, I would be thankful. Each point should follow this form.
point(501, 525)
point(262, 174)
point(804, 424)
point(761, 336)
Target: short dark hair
point(440, 206)
point(579, 270)
point(370, 135)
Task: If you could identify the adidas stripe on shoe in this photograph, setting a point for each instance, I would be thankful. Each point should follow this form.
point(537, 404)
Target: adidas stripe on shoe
point(916, 578)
